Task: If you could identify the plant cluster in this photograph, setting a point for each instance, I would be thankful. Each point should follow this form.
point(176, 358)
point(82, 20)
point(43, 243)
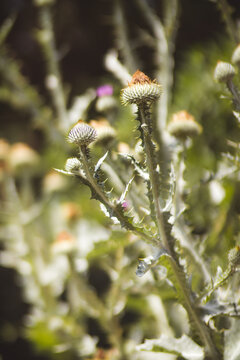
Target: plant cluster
point(155, 274)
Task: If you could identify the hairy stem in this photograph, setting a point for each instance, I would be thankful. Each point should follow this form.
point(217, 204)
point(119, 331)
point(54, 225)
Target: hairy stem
point(105, 200)
point(199, 325)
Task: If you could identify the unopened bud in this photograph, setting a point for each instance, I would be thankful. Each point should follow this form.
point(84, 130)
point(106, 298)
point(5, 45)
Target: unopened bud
point(234, 256)
point(183, 125)
point(105, 132)
point(70, 211)
point(141, 90)
point(82, 134)
point(105, 103)
point(65, 243)
point(224, 72)
point(23, 158)
point(53, 181)
point(72, 164)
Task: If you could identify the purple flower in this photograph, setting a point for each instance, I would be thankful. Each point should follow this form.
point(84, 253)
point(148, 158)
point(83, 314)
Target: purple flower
point(104, 90)
point(125, 205)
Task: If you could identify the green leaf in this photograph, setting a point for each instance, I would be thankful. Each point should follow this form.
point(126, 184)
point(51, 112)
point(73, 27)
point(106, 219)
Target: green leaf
point(183, 346)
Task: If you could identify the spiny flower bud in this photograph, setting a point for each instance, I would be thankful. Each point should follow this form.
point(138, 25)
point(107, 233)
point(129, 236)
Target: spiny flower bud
point(82, 134)
point(182, 125)
point(234, 256)
point(236, 55)
point(140, 90)
point(224, 72)
point(72, 164)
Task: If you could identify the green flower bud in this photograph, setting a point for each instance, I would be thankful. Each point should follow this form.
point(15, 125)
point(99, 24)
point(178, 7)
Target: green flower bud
point(183, 125)
point(72, 164)
point(224, 72)
point(82, 134)
point(234, 256)
point(141, 90)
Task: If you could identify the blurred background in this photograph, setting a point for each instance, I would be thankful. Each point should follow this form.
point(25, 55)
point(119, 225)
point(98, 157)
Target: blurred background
point(38, 203)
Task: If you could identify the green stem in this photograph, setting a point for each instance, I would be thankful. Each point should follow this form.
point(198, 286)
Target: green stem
point(201, 327)
point(234, 91)
point(49, 49)
point(152, 173)
point(104, 199)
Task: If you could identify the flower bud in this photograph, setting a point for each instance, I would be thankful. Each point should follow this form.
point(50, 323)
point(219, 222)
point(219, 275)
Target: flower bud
point(105, 103)
point(234, 256)
point(224, 72)
point(183, 125)
point(141, 90)
point(105, 132)
point(23, 158)
point(82, 134)
point(70, 211)
point(65, 243)
point(72, 164)
point(53, 181)
point(236, 56)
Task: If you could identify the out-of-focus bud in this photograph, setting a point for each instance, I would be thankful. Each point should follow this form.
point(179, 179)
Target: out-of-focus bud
point(71, 211)
point(236, 55)
point(22, 158)
point(82, 134)
point(53, 182)
point(106, 103)
point(183, 125)
point(72, 164)
point(124, 148)
point(65, 243)
point(234, 257)
point(224, 72)
point(141, 90)
point(105, 132)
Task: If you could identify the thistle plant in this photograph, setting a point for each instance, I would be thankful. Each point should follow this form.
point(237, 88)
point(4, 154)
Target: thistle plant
point(165, 230)
point(157, 269)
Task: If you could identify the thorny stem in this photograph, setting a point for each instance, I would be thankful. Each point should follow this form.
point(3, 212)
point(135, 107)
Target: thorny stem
point(152, 170)
point(204, 332)
point(236, 96)
point(54, 82)
point(109, 204)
